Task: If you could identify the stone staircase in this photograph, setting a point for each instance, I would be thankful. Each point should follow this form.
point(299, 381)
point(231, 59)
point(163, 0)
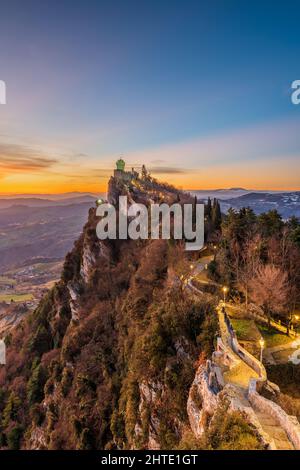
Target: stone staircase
point(243, 373)
point(240, 375)
point(273, 429)
point(268, 423)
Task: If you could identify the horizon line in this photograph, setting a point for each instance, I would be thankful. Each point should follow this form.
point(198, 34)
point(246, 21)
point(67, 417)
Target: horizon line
point(9, 194)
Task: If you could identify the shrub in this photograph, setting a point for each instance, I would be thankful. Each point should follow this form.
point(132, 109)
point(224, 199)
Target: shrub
point(38, 414)
point(86, 440)
point(190, 442)
point(229, 430)
point(66, 381)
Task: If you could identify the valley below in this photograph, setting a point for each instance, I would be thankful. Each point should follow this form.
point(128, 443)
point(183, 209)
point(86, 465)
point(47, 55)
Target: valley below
point(35, 235)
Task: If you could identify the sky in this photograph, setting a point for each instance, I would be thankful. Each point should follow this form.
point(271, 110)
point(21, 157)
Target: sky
point(199, 91)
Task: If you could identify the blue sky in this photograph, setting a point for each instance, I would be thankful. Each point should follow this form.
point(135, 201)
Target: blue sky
point(198, 90)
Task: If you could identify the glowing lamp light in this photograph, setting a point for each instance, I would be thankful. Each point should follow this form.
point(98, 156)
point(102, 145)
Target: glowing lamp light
point(262, 343)
point(225, 290)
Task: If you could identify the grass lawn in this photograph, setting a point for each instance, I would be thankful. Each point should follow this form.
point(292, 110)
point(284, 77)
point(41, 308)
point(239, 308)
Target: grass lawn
point(15, 297)
point(246, 330)
point(273, 337)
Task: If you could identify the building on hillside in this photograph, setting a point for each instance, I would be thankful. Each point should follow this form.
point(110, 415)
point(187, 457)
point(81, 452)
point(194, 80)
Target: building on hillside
point(120, 172)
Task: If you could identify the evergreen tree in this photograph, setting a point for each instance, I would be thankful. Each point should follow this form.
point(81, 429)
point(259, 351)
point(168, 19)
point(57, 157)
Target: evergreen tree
point(216, 215)
point(270, 223)
point(208, 208)
point(195, 209)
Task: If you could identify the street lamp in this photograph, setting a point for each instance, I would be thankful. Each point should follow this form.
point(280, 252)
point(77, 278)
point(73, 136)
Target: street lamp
point(192, 266)
point(261, 343)
point(225, 290)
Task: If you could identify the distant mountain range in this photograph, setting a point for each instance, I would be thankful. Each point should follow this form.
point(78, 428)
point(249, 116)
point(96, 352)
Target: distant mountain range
point(287, 204)
point(6, 203)
point(52, 197)
point(231, 193)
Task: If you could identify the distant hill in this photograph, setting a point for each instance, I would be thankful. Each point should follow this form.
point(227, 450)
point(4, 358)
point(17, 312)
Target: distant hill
point(39, 202)
point(51, 197)
point(287, 204)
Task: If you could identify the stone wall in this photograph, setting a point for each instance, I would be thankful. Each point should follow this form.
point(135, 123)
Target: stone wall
point(290, 424)
point(252, 362)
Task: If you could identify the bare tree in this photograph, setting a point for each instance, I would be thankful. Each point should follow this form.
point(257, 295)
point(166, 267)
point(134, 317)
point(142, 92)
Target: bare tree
point(285, 254)
point(269, 289)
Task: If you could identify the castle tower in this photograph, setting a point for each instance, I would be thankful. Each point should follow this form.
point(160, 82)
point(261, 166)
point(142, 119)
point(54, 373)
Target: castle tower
point(119, 172)
point(120, 164)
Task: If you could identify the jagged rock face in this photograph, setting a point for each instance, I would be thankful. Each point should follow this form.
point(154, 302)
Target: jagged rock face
point(114, 191)
point(202, 402)
point(150, 394)
point(94, 252)
point(37, 440)
point(74, 291)
point(89, 260)
point(118, 187)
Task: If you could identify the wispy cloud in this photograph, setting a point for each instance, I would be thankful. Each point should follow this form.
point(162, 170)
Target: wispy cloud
point(20, 158)
point(163, 170)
